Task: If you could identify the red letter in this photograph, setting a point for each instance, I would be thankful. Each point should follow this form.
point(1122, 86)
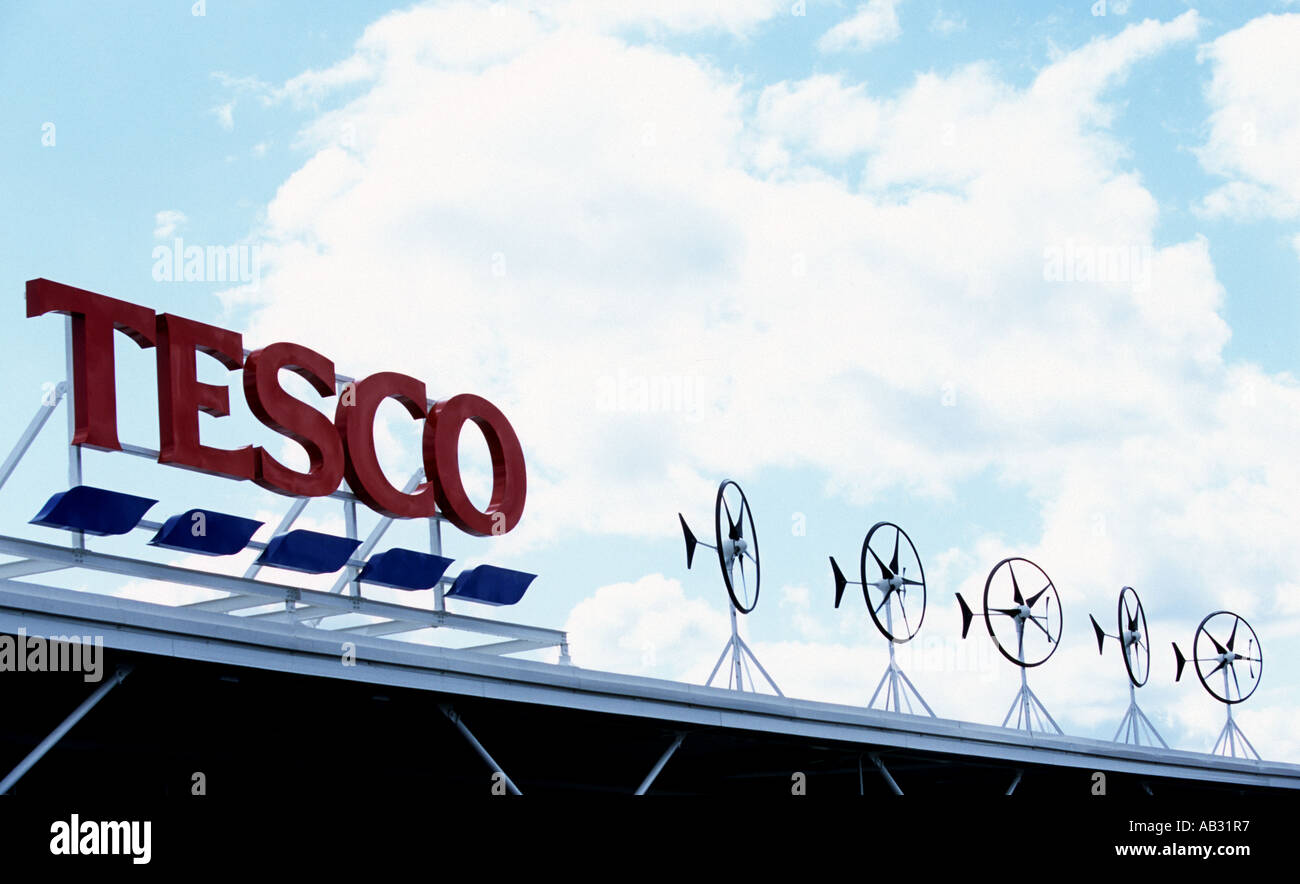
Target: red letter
point(442, 461)
point(356, 425)
point(181, 397)
point(294, 418)
point(93, 319)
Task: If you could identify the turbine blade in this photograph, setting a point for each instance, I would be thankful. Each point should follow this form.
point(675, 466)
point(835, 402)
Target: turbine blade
point(1033, 599)
point(690, 541)
point(1232, 639)
point(884, 572)
point(840, 581)
point(966, 615)
point(893, 563)
point(731, 523)
point(1015, 586)
point(1101, 636)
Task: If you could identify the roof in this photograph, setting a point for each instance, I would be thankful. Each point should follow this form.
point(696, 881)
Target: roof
point(633, 711)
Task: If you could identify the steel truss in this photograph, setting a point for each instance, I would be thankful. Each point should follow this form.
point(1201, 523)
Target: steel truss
point(1132, 724)
point(896, 683)
point(738, 670)
point(1030, 711)
point(247, 594)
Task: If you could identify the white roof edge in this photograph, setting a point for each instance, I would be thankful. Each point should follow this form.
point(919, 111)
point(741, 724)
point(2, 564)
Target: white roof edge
point(144, 627)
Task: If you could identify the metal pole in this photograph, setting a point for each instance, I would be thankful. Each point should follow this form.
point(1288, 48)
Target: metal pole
point(718, 665)
point(908, 682)
point(1228, 728)
point(893, 679)
point(57, 734)
point(752, 656)
point(735, 650)
point(350, 527)
point(884, 772)
point(659, 765)
point(1024, 692)
point(347, 578)
point(1151, 726)
point(478, 747)
point(876, 693)
point(289, 518)
point(435, 547)
point(29, 435)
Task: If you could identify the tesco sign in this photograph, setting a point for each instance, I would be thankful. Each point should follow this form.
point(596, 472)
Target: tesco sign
point(342, 449)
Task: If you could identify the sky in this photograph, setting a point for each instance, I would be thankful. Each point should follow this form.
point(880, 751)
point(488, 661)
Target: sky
point(1019, 277)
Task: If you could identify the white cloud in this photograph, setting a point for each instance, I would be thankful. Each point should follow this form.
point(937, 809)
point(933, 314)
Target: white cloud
point(648, 627)
point(167, 222)
point(873, 23)
point(541, 208)
point(821, 115)
point(1255, 120)
point(734, 16)
point(945, 24)
point(225, 114)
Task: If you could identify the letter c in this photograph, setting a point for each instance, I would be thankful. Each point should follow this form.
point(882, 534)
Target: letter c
point(356, 427)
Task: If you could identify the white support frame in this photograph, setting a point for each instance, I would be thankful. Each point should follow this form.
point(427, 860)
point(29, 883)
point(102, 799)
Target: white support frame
point(1030, 710)
point(1131, 725)
point(895, 680)
point(1232, 738)
point(737, 671)
point(304, 607)
point(260, 593)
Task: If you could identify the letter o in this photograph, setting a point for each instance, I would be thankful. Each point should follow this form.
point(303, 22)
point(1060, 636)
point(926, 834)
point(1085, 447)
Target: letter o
point(442, 464)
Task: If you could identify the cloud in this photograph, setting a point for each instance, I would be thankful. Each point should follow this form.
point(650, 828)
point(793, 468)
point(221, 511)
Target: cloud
point(647, 627)
point(821, 115)
point(225, 114)
point(873, 23)
point(852, 283)
point(167, 222)
point(1254, 125)
point(945, 24)
point(731, 16)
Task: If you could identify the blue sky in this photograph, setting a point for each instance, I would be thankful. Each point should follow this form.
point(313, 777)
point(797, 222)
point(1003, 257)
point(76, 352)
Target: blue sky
point(826, 235)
